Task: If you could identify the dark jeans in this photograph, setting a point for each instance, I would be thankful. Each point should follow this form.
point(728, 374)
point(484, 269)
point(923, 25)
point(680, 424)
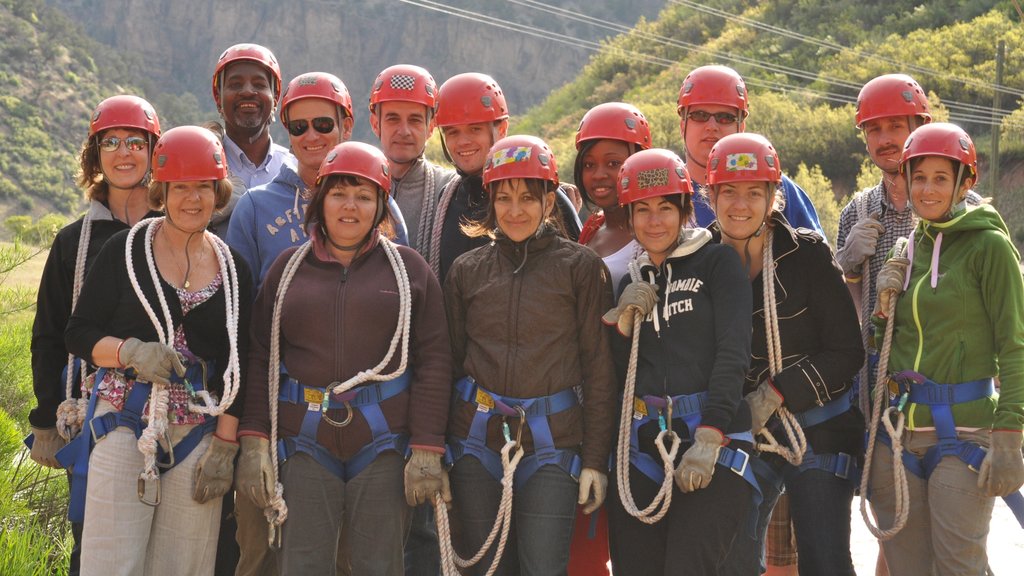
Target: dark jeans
point(820, 503)
point(693, 538)
point(76, 535)
point(422, 555)
point(543, 513)
point(747, 555)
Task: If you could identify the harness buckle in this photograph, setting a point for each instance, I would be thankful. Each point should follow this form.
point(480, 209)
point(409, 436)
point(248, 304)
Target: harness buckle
point(746, 460)
point(142, 492)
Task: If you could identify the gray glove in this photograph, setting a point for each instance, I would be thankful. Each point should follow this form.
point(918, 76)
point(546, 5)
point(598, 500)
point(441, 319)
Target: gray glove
point(889, 284)
point(254, 475)
point(45, 446)
point(763, 401)
point(698, 464)
point(424, 477)
point(152, 361)
point(636, 298)
point(593, 488)
point(1002, 470)
point(861, 243)
point(215, 470)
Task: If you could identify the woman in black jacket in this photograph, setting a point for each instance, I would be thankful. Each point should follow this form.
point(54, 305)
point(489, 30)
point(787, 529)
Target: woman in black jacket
point(805, 350)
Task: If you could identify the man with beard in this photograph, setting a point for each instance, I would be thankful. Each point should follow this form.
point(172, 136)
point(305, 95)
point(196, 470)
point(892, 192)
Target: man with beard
point(246, 88)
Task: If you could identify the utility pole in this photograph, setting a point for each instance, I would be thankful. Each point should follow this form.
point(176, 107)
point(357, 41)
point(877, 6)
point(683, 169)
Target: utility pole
point(997, 128)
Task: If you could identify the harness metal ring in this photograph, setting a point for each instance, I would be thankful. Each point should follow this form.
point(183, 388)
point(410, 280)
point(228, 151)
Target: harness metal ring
point(343, 423)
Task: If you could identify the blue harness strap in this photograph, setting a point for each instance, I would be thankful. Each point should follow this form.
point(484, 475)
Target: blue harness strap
point(688, 408)
point(819, 414)
point(75, 455)
point(534, 410)
point(365, 398)
point(940, 398)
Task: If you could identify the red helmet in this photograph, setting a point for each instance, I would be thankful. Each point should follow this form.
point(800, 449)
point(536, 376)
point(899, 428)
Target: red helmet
point(404, 83)
point(743, 157)
point(615, 121)
point(189, 153)
point(713, 85)
point(470, 98)
point(254, 53)
point(316, 85)
point(652, 173)
point(941, 139)
point(125, 111)
point(892, 95)
point(520, 157)
point(357, 159)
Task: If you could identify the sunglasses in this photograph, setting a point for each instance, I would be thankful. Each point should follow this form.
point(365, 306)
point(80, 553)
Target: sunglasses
point(701, 117)
point(323, 125)
point(133, 143)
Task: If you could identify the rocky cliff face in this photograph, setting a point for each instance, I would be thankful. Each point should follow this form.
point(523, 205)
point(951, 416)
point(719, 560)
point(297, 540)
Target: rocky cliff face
point(176, 44)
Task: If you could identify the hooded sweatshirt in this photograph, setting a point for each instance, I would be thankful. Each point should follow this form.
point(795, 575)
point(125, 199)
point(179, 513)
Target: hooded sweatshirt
point(961, 317)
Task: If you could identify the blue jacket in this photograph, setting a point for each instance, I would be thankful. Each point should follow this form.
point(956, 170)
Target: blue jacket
point(269, 218)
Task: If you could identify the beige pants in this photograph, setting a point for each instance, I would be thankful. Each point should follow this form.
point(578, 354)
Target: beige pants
point(124, 536)
point(949, 517)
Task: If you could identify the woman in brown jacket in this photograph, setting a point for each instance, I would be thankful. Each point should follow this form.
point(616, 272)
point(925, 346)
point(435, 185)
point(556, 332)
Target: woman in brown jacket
point(358, 323)
point(524, 313)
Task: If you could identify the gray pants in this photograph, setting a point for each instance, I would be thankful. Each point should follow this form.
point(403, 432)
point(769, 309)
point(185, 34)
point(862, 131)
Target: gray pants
point(124, 536)
point(371, 507)
point(947, 527)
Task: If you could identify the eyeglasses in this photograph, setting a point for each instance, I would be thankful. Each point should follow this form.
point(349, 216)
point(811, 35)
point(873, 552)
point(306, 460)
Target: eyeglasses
point(133, 143)
point(323, 125)
point(701, 117)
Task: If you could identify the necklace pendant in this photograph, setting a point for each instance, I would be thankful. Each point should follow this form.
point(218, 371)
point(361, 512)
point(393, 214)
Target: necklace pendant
point(187, 284)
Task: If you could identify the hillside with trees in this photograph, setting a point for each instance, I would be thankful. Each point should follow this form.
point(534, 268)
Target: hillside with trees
point(804, 63)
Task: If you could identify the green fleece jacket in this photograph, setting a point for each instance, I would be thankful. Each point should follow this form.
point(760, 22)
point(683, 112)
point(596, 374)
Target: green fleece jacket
point(970, 325)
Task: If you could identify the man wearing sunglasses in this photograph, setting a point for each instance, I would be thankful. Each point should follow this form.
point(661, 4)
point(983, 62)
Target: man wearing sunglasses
point(712, 105)
point(316, 108)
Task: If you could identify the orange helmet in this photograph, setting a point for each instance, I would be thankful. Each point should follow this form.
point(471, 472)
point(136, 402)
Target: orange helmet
point(520, 157)
point(615, 121)
point(652, 173)
point(189, 153)
point(892, 95)
point(125, 111)
point(713, 85)
point(470, 98)
point(357, 159)
point(254, 53)
point(941, 139)
point(743, 157)
point(404, 83)
point(316, 85)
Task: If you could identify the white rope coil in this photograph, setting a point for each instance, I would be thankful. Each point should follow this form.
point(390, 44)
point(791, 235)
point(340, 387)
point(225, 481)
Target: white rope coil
point(658, 507)
point(277, 512)
point(450, 560)
point(71, 412)
point(901, 509)
point(794, 453)
point(159, 399)
point(438, 226)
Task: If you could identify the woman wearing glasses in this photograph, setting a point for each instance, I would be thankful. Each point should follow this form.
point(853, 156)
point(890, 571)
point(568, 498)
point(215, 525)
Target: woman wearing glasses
point(114, 166)
point(316, 108)
point(163, 316)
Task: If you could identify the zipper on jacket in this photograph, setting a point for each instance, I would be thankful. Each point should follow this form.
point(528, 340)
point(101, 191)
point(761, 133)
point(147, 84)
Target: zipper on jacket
point(513, 323)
